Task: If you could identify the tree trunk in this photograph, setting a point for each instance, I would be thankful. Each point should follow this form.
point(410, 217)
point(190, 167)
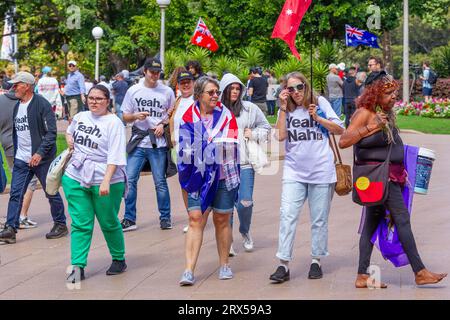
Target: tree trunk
point(387, 52)
point(118, 63)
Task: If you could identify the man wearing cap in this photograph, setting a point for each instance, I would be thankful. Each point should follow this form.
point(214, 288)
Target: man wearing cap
point(75, 90)
point(48, 87)
point(334, 85)
point(34, 137)
point(146, 105)
point(8, 103)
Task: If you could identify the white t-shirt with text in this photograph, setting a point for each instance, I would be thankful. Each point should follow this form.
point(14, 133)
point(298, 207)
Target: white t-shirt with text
point(185, 103)
point(24, 147)
point(309, 157)
point(100, 136)
point(155, 101)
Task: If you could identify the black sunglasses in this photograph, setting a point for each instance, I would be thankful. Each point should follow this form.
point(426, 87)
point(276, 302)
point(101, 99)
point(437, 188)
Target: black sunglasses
point(298, 87)
point(212, 92)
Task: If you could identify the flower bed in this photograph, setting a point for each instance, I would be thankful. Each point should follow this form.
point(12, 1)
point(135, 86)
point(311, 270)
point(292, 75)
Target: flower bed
point(437, 108)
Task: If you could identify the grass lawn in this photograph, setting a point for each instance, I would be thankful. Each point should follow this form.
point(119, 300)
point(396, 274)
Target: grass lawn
point(425, 125)
point(60, 144)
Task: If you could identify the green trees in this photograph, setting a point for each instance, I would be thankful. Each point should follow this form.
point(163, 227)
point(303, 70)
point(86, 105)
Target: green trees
point(132, 29)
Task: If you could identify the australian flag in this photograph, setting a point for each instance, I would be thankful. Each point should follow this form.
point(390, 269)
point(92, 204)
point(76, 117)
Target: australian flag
point(355, 37)
point(199, 161)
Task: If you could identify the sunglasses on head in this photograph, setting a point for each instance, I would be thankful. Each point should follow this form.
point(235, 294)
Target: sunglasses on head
point(296, 88)
point(212, 92)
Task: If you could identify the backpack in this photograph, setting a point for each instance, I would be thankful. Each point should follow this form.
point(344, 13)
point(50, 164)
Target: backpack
point(432, 78)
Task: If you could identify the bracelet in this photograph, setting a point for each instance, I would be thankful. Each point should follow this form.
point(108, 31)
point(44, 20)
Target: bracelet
point(284, 110)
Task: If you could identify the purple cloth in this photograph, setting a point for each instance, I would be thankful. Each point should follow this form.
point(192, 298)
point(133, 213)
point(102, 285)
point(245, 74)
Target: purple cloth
point(385, 237)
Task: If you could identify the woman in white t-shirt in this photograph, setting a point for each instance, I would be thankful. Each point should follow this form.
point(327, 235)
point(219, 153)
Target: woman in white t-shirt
point(304, 122)
point(94, 181)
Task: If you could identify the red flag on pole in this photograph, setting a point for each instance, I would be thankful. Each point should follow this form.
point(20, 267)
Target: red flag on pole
point(289, 21)
point(203, 38)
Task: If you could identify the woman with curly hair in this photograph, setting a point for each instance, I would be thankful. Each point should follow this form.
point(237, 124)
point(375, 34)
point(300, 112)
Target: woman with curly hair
point(372, 130)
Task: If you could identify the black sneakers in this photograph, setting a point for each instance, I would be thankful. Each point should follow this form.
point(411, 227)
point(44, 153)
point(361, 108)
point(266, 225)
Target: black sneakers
point(128, 225)
point(76, 274)
point(59, 230)
point(165, 224)
point(117, 267)
point(8, 235)
point(280, 275)
point(315, 271)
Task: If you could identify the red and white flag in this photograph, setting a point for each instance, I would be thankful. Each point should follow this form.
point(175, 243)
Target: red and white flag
point(289, 21)
point(203, 38)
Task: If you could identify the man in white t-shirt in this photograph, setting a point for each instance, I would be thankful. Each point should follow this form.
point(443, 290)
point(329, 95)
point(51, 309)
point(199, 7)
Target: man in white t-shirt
point(146, 105)
point(34, 137)
point(48, 87)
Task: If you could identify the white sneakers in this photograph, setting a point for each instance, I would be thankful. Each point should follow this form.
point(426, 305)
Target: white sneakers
point(247, 242)
point(232, 253)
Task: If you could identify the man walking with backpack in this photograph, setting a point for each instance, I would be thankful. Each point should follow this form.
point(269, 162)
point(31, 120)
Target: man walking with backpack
point(429, 78)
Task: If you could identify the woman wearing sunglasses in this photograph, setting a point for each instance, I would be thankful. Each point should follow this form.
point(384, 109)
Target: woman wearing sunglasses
point(304, 123)
point(372, 129)
point(252, 125)
point(208, 170)
point(94, 181)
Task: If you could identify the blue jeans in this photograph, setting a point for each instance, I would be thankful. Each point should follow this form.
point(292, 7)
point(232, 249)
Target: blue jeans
point(136, 160)
point(21, 177)
point(293, 197)
point(244, 204)
point(271, 107)
point(119, 111)
point(336, 104)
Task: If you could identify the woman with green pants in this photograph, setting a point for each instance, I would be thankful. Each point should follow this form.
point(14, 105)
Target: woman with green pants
point(94, 181)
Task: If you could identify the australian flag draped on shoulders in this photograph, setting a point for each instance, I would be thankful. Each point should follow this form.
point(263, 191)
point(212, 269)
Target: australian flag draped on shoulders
point(204, 154)
point(355, 37)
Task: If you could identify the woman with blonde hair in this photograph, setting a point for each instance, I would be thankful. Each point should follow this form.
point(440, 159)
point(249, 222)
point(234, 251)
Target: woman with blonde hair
point(304, 123)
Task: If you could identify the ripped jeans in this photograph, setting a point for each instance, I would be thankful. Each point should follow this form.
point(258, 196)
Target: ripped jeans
point(244, 204)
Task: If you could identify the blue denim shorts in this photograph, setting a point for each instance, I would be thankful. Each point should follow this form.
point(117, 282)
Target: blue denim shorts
point(223, 201)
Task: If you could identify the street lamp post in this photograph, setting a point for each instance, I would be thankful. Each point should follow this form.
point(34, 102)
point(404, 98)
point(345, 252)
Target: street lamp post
point(163, 4)
point(65, 49)
point(97, 33)
point(405, 51)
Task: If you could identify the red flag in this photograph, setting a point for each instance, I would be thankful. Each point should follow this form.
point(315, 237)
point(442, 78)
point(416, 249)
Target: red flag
point(203, 38)
point(289, 21)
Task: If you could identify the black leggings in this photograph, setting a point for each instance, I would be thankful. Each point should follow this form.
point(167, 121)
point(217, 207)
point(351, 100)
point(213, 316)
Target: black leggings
point(400, 216)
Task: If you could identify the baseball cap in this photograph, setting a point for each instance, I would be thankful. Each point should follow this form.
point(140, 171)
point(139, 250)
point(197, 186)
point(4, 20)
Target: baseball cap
point(341, 66)
point(46, 69)
point(332, 66)
point(153, 64)
point(72, 62)
point(184, 75)
point(24, 77)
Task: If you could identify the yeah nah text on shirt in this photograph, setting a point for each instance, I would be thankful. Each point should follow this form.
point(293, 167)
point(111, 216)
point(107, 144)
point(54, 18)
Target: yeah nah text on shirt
point(296, 134)
point(22, 123)
point(151, 106)
point(84, 135)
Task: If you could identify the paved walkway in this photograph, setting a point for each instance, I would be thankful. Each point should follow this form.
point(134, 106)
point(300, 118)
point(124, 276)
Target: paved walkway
point(34, 268)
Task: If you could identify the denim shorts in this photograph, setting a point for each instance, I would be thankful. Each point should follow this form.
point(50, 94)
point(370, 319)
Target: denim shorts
point(223, 201)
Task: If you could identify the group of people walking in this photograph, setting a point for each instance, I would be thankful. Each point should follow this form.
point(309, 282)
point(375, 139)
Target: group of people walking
point(209, 127)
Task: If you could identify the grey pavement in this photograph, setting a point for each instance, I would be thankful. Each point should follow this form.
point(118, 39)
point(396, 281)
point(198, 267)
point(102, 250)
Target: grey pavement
point(34, 267)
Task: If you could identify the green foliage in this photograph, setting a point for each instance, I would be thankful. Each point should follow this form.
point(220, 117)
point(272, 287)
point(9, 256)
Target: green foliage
point(201, 55)
point(328, 52)
point(291, 64)
point(251, 57)
point(320, 72)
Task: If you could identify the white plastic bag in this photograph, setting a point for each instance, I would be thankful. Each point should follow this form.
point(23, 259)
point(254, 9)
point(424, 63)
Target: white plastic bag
point(256, 156)
point(56, 171)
